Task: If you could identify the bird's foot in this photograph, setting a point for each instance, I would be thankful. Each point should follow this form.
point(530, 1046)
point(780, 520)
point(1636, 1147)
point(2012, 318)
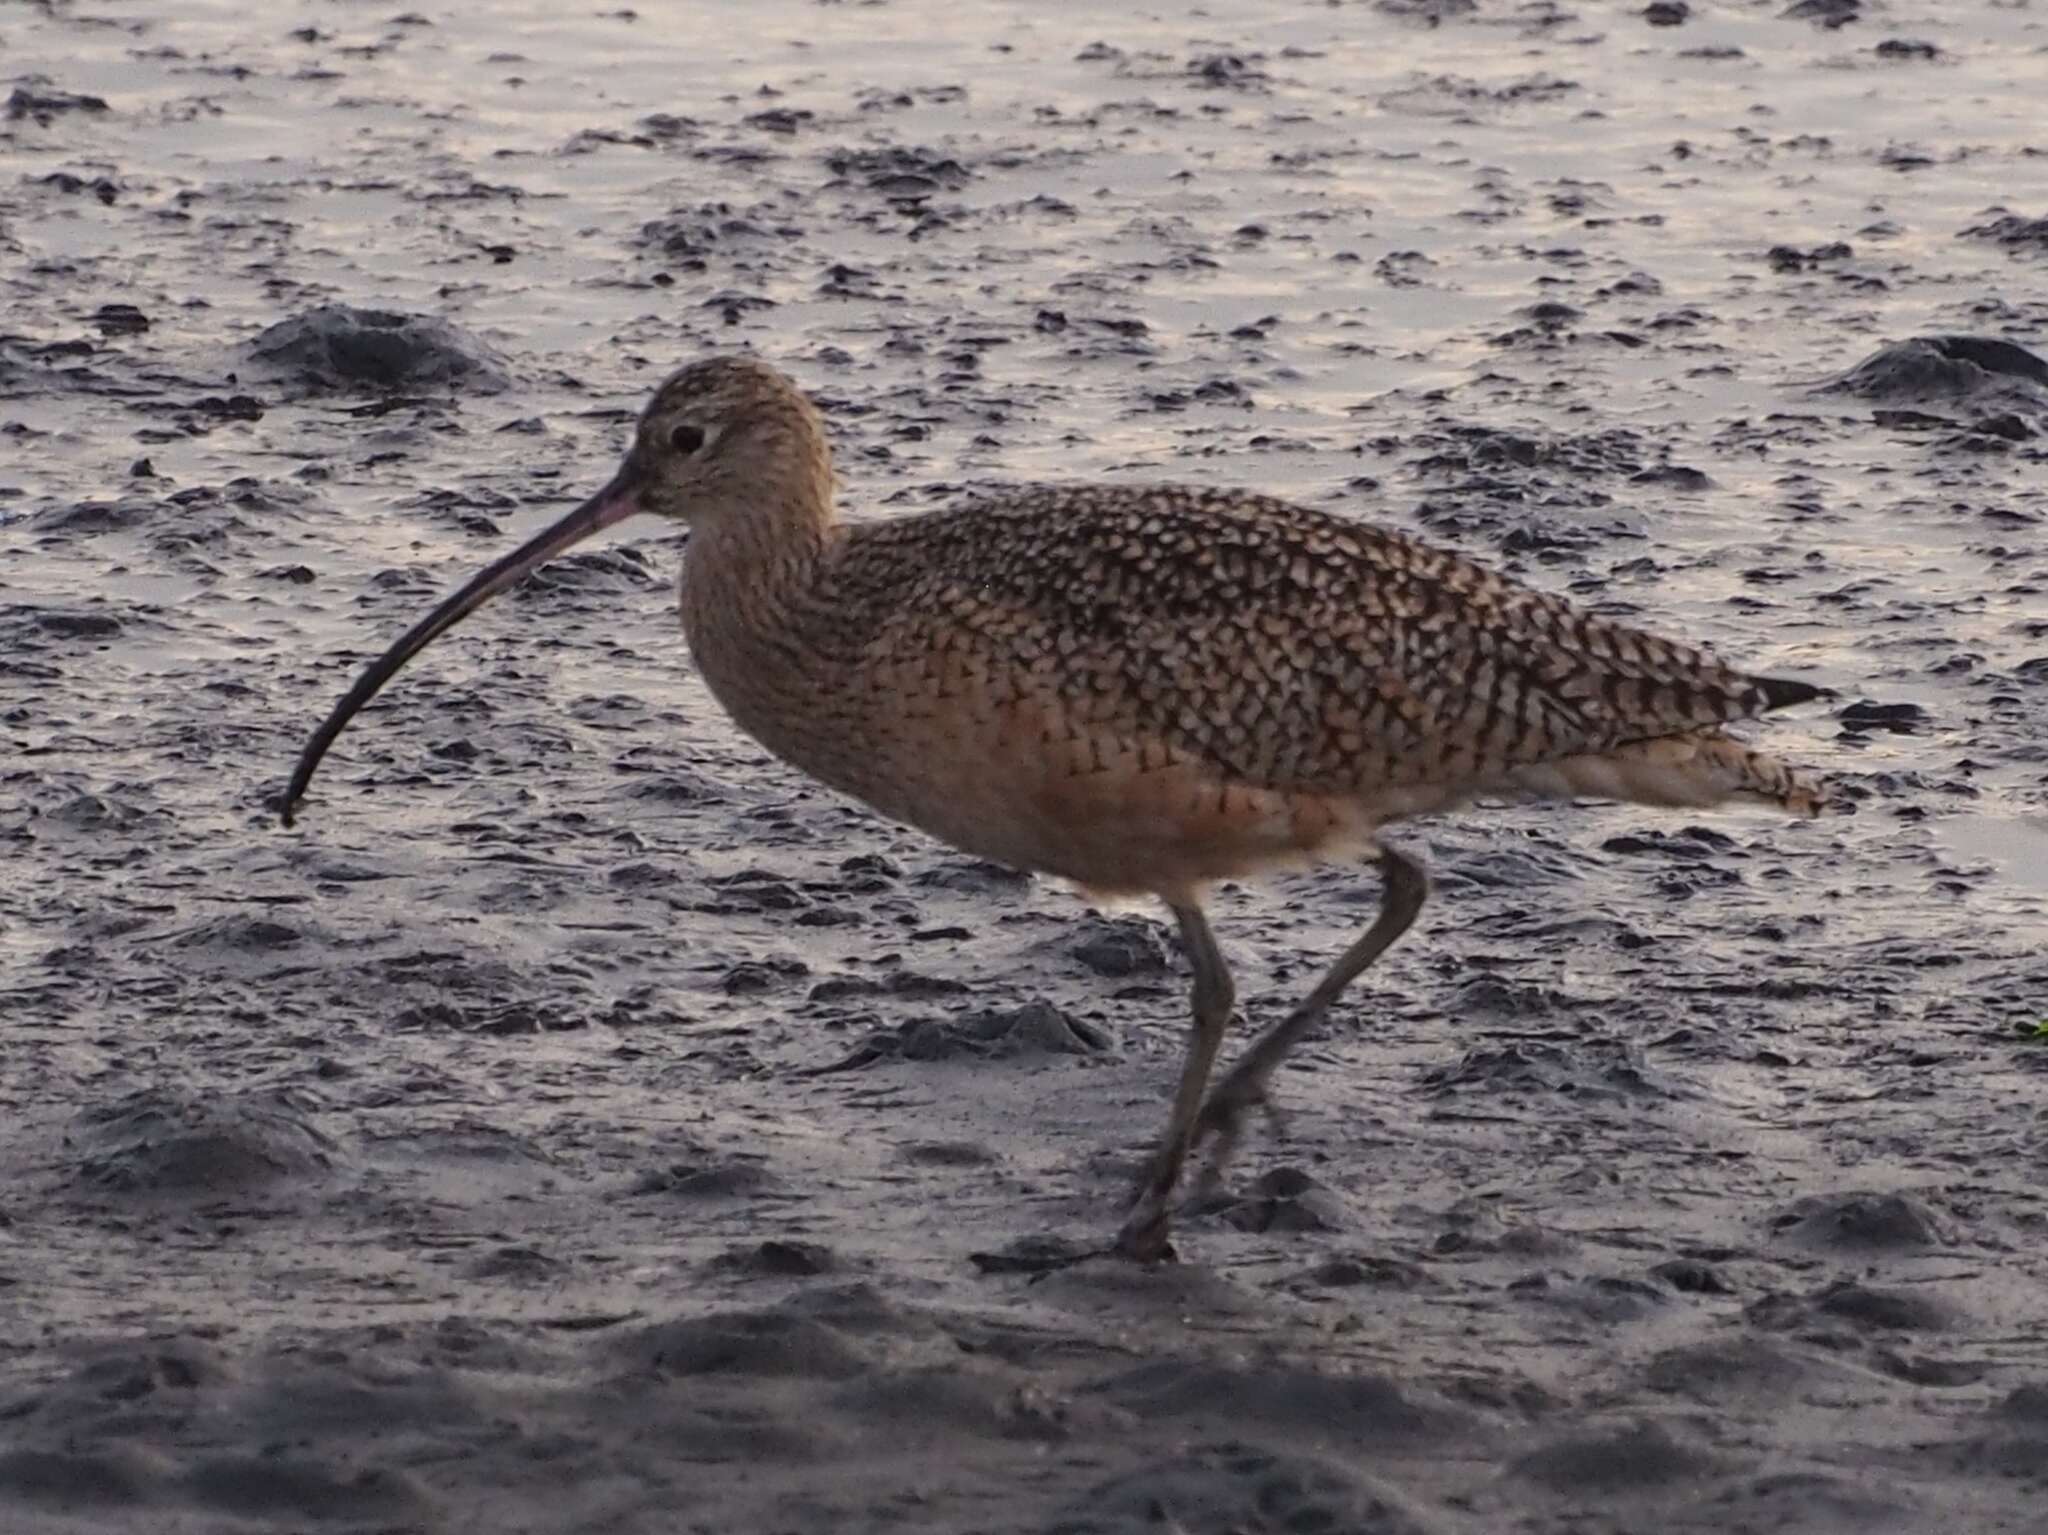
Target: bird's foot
point(1223, 1118)
point(1142, 1238)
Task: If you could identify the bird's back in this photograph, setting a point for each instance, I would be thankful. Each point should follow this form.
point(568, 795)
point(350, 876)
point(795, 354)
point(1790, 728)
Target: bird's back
point(1287, 646)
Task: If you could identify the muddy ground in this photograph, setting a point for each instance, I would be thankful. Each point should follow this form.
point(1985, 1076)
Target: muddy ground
point(582, 1123)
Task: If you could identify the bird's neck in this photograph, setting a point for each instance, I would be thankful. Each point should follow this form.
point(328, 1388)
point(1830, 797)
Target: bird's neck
point(746, 573)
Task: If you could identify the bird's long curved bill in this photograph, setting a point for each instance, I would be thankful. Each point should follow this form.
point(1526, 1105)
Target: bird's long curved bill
point(615, 503)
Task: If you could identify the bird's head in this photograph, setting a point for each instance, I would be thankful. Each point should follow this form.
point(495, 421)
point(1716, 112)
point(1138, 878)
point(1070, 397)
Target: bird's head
point(725, 442)
point(716, 436)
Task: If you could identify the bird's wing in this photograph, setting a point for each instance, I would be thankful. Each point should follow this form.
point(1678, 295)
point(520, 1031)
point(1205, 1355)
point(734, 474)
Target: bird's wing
point(1289, 647)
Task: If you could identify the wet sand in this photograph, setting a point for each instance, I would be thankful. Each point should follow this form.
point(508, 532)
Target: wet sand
point(581, 1122)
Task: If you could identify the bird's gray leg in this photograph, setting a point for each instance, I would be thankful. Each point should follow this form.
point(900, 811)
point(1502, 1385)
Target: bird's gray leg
point(1247, 1082)
point(1144, 1230)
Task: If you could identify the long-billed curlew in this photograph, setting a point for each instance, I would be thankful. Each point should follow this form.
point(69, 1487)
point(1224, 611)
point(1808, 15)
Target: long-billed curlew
point(1140, 689)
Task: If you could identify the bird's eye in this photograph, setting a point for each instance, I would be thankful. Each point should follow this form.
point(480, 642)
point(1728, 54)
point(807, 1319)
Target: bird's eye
point(686, 439)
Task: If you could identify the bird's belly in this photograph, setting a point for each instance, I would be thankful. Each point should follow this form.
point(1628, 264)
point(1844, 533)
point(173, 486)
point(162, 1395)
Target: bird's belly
point(1019, 777)
point(1117, 815)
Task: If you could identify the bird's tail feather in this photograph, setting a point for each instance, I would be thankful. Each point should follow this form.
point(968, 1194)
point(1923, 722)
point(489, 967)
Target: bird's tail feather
point(1698, 768)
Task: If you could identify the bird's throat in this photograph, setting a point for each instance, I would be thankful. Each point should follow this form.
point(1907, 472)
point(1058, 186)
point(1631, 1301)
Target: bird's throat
point(746, 581)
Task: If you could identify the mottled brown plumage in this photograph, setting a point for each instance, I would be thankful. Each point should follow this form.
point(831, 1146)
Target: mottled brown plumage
point(1140, 689)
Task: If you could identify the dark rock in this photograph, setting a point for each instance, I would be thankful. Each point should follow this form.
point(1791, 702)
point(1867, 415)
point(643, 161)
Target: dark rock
point(120, 320)
point(714, 1180)
point(779, 1259)
point(1824, 13)
point(338, 348)
point(1036, 1028)
point(1861, 1222)
point(160, 1142)
point(1380, 1273)
point(1863, 716)
point(1287, 1199)
point(2013, 231)
point(1896, 1310)
point(1121, 947)
point(1690, 1276)
point(1945, 367)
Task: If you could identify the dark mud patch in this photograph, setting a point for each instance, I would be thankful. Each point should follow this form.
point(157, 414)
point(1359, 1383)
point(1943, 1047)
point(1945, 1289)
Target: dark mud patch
point(1299, 1403)
point(1596, 1070)
point(1738, 1368)
point(1220, 1488)
point(1823, 1503)
point(36, 99)
point(780, 1260)
point(1851, 1310)
point(744, 1343)
point(1635, 1458)
point(1372, 1271)
point(714, 1179)
point(1035, 1029)
point(1608, 1299)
